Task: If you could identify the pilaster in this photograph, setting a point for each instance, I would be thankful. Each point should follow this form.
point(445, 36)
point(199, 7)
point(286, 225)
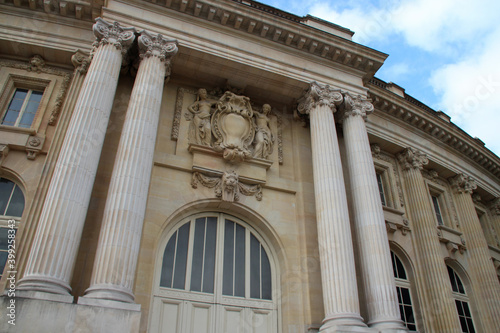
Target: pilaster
point(437, 302)
point(338, 275)
point(482, 273)
point(369, 222)
point(114, 270)
point(53, 253)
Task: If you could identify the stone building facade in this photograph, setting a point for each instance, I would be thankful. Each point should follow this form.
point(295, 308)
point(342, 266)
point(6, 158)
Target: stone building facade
point(224, 166)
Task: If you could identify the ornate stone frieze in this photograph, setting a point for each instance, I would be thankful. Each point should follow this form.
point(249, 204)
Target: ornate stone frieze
point(157, 46)
point(61, 96)
point(227, 187)
point(229, 125)
point(280, 138)
point(318, 95)
point(114, 34)
point(463, 183)
point(356, 106)
point(412, 158)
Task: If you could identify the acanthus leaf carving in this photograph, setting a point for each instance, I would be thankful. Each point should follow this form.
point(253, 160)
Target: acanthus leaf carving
point(157, 46)
point(318, 95)
point(463, 183)
point(412, 158)
point(356, 106)
point(114, 34)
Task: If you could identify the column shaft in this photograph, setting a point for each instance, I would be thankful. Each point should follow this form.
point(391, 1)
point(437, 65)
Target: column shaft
point(482, 273)
point(53, 253)
point(340, 294)
point(438, 304)
point(377, 273)
point(119, 241)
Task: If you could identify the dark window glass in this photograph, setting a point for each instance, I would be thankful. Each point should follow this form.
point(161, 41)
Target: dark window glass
point(437, 210)
point(181, 257)
point(167, 268)
point(266, 276)
point(254, 267)
point(209, 266)
point(20, 107)
point(199, 245)
point(381, 189)
point(239, 262)
point(228, 273)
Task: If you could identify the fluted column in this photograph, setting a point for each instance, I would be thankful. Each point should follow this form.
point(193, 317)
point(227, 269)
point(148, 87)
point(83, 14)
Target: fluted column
point(437, 303)
point(338, 275)
point(482, 273)
point(495, 215)
point(369, 222)
point(118, 247)
point(53, 253)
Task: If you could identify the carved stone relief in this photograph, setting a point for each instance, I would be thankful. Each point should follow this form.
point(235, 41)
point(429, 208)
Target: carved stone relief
point(227, 187)
point(228, 124)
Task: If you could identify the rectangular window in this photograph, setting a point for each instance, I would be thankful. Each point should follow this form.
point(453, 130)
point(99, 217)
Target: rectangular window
point(437, 210)
point(22, 108)
point(381, 189)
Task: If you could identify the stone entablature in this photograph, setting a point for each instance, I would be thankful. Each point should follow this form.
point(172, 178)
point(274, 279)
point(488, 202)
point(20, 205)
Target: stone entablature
point(297, 33)
point(80, 9)
point(431, 122)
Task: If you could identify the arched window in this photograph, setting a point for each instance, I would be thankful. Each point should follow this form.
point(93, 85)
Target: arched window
point(403, 291)
point(11, 209)
point(216, 276)
point(461, 302)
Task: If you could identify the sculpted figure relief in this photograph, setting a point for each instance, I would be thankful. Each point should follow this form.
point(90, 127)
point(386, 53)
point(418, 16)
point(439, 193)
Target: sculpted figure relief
point(264, 138)
point(200, 129)
point(229, 125)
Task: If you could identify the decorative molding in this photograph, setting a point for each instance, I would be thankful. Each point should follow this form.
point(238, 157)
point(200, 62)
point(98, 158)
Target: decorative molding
point(463, 183)
point(495, 206)
point(61, 96)
point(375, 148)
point(81, 61)
point(412, 158)
point(4, 151)
point(280, 137)
point(33, 147)
point(36, 64)
point(227, 187)
point(377, 153)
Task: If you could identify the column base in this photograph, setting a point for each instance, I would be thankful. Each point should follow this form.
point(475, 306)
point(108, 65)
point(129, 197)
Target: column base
point(44, 285)
point(346, 322)
point(48, 316)
point(109, 292)
point(393, 326)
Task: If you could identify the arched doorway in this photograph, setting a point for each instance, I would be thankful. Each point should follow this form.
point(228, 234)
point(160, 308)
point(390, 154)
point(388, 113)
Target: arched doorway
point(216, 275)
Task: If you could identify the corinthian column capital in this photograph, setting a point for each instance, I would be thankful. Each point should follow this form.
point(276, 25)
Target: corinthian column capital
point(495, 206)
point(318, 95)
point(157, 46)
point(463, 183)
point(412, 158)
point(113, 33)
point(81, 61)
point(356, 106)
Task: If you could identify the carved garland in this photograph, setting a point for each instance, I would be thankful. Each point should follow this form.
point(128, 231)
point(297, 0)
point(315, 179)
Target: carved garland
point(227, 187)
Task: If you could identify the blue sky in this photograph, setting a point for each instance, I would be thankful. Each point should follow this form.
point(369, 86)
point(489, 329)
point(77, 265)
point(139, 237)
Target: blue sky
point(445, 53)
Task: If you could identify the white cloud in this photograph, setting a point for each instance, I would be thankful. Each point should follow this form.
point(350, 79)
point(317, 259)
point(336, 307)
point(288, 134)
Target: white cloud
point(470, 91)
point(462, 32)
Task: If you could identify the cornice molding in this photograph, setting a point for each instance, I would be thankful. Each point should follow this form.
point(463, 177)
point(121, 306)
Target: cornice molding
point(433, 123)
point(281, 28)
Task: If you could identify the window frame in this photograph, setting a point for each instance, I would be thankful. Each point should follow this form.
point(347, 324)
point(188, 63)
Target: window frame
point(4, 219)
point(462, 297)
point(441, 195)
point(24, 106)
point(191, 295)
point(405, 284)
point(386, 172)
